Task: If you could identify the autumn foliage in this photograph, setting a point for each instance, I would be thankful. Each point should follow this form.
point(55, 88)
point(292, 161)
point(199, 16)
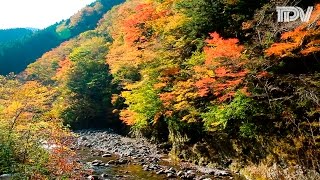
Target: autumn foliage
point(223, 70)
point(302, 41)
point(176, 71)
point(136, 26)
point(28, 125)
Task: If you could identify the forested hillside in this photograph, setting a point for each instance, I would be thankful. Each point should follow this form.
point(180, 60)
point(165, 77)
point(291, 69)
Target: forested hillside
point(221, 82)
point(16, 55)
point(7, 35)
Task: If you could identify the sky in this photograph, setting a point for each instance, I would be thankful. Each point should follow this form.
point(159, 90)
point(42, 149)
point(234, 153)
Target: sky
point(37, 13)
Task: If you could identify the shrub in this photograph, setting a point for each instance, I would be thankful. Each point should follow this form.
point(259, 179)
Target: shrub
point(236, 115)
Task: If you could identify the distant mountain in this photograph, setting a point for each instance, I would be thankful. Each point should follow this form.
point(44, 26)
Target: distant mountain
point(16, 55)
point(7, 35)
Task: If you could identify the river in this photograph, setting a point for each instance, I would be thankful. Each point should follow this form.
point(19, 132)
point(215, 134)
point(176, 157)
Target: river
point(108, 155)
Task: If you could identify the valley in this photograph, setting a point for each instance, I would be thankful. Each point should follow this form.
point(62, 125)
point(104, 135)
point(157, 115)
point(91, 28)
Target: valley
point(163, 89)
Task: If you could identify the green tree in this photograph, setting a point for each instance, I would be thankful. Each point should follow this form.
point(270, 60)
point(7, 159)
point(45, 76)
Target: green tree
point(88, 86)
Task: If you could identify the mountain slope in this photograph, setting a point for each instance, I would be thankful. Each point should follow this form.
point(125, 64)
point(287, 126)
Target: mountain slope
point(7, 35)
point(15, 56)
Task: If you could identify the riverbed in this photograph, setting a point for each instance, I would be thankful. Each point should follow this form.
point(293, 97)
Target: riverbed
point(108, 155)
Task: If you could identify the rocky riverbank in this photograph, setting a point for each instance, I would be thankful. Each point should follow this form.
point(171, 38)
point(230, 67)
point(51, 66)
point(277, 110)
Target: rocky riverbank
point(112, 156)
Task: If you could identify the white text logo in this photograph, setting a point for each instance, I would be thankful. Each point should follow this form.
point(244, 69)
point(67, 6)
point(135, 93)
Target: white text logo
point(291, 13)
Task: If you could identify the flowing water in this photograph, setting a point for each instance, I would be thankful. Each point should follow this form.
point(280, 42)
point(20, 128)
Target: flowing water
point(130, 171)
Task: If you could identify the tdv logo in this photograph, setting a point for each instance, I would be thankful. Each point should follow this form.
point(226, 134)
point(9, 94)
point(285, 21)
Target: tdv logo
point(291, 13)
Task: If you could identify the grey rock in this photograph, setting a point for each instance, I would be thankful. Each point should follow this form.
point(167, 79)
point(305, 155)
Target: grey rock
point(160, 172)
point(111, 162)
point(180, 173)
point(191, 176)
point(93, 177)
point(5, 176)
point(97, 161)
point(104, 175)
point(89, 145)
point(95, 164)
point(204, 177)
point(106, 155)
point(222, 173)
point(122, 161)
point(153, 167)
point(102, 164)
point(171, 169)
point(170, 175)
